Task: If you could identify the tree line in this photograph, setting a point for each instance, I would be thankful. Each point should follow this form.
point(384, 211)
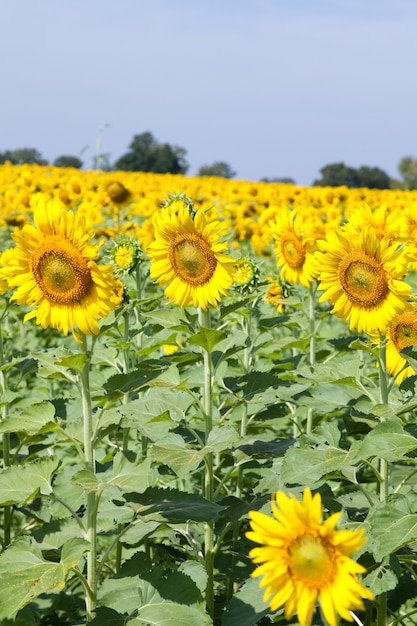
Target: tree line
point(147, 154)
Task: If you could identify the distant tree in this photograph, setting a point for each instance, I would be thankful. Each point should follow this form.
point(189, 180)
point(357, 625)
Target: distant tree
point(148, 155)
point(218, 168)
point(337, 175)
point(67, 160)
point(22, 155)
point(283, 179)
point(408, 170)
point(373, 178)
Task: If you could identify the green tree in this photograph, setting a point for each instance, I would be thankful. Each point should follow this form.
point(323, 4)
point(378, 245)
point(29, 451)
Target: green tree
point(373, 178)
point(218, 168)
point(408, 170)
point(146, 154)
point(67, 160)
point(23, 155)
point(337, 175)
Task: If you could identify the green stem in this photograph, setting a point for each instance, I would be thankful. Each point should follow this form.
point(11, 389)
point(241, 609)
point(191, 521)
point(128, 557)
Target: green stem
point(312, 347)
point(204, 320)
point(383, 465)
point(89, 454)
point(8, 510)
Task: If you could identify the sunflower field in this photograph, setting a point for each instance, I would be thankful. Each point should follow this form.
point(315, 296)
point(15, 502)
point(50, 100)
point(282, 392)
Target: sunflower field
point(207, 401)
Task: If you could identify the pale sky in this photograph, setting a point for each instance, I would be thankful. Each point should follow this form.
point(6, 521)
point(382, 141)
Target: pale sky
point(273, 87)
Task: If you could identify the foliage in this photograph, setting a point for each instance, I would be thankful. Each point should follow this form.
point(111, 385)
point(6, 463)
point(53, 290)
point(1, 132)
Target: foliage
point(218, 168)
point(22, 155)
point(146, 154)
point(339, 174)
point(67, 160)
point(279, 420)
point(408, 170)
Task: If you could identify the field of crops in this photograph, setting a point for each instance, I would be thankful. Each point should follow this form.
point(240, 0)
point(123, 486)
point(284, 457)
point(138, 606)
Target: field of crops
point(207, 401)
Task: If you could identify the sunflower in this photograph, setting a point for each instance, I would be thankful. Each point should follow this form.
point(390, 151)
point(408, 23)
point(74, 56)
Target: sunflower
point(401, 333)
point(361, 275)
point(53, 268)
point(187, 254)
point(294, 249)
point(304, 559)
point(275, 296)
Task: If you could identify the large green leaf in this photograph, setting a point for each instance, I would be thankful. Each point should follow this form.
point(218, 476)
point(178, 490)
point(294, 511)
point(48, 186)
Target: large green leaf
point(391, 527)
point(20, 483)
point(173, 505)
point(173, 451)
point(37, 418)
point(305, 465)
point(246, 607)
point(24, 575)
point(207, 338)
point(388, 441)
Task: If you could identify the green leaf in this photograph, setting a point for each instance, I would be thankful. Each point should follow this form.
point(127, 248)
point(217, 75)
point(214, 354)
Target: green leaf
point(221, 438)
point(72, 551)
point(37, 418)
point(86, 479)
point(390, 528)
point(173, 451)
point(305, 465)
point(388, 441)
point(139, 378)
point(75, 361)
point(129, 473)
point(246, 607)
point(173, 505)
point(21, 483)
point(207, 338)
point(24, 575)
point(380, 579)
point(170, 614)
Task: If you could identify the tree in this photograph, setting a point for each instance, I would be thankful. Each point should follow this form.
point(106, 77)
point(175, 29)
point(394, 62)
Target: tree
point(22, 155)
point(280, 179)
point(408, 170)
point(218, 168)
point(147, 155)
point(373, 178)
point(67, 160)
point(337, 175)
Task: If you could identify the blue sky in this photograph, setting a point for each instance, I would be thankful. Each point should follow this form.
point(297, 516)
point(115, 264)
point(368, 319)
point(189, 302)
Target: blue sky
point(274, 87)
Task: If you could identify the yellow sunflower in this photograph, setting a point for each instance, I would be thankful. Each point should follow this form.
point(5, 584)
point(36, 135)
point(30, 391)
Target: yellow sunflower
point(362, 276)
point(303, 559)
point(294, 249)
point(187, 254)
point(401, 333)
point(53, 268)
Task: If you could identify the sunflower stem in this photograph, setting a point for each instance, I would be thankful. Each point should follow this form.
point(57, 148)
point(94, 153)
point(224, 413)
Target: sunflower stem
point(7, 510)
point(92, 501)
point(312, 346)
point(383, 463)
point(204, 321)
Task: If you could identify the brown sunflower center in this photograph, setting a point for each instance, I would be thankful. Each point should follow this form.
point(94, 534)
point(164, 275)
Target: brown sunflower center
point(363, 279)
point(61, 271)
point(311, 561)
point(403, 332)
point(192, 259)
point(293, 251)
point(117, 192)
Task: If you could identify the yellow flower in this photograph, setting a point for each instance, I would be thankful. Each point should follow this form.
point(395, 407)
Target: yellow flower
point(361, 276)
point(294, 249)
point(53, 268)
point(275, 296)
point(126, 254)
point(188, 255)
point(401, 333)
point(303, 559)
